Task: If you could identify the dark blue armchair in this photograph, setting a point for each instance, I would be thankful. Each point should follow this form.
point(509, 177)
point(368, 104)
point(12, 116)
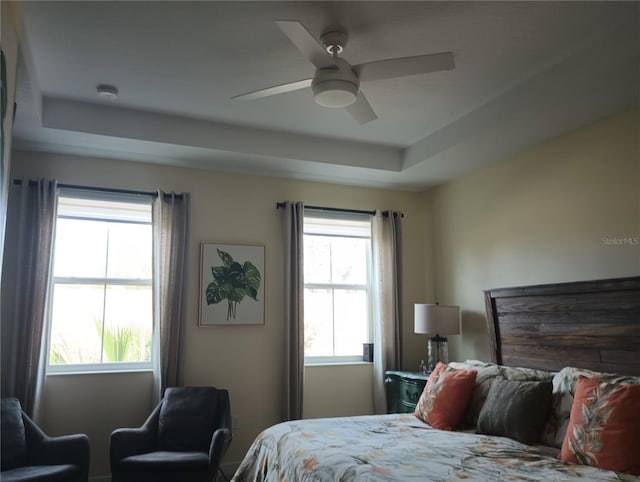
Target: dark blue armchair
point(183, 440)
point(28, 454)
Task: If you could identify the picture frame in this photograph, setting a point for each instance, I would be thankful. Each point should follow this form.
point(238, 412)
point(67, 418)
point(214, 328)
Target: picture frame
point(231, 284)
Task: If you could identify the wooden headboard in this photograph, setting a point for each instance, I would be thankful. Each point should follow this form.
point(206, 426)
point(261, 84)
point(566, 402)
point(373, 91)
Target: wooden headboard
point(586, 324)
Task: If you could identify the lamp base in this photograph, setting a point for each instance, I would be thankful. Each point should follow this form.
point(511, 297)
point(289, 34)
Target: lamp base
point(438, 351)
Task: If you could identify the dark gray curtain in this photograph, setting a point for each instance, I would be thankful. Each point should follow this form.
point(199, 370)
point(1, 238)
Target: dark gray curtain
point(293, 217)
point(171, 236)
point(28, 270)
point(387, 275)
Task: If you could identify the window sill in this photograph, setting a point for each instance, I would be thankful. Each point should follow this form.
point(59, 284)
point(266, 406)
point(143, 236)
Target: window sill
point(99, 372)
point(336, 363)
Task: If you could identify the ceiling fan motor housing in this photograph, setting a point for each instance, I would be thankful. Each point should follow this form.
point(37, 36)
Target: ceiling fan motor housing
point(334, 42)
point(335, 86)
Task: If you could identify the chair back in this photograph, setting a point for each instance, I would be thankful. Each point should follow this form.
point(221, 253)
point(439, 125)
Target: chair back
point(13, 441)
point(189, 416)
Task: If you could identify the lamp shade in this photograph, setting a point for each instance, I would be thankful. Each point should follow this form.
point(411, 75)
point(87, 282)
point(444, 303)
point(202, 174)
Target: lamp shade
point(436, 319)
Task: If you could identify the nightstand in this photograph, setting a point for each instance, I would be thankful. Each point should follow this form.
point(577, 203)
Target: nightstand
point(404, 390)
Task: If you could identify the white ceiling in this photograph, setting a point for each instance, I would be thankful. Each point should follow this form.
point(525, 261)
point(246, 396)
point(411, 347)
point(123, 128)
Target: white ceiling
point(525, 72)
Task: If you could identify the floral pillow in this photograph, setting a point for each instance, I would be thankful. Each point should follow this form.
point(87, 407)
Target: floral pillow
point(445, 397)
point(564, 386)
point(604, 426)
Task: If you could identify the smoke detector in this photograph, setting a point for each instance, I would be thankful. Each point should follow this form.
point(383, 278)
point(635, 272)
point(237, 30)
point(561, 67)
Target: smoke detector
point(106, 91)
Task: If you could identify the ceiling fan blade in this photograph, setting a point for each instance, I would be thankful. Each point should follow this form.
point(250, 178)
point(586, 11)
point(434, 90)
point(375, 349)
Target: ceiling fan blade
point(361, 110)
point(306, 43)
point(402, 67)
point(275, 90)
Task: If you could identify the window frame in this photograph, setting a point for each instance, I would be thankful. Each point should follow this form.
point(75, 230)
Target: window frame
point(102, 367)
point(367, 287)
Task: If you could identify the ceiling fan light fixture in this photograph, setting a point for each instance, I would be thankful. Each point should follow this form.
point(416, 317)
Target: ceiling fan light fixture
point(335, 93)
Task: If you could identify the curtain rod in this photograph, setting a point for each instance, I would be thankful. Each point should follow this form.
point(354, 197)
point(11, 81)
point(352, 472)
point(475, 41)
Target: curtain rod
point(103, 189)
point(339, 210)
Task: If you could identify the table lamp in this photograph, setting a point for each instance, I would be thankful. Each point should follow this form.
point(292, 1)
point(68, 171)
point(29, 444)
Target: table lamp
point(437, 320)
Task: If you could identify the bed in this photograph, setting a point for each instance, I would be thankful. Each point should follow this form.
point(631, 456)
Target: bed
point(548, 330)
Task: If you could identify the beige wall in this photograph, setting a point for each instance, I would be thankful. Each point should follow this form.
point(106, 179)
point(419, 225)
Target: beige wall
point(331, 392)
point(538, 217)
point(247, 360)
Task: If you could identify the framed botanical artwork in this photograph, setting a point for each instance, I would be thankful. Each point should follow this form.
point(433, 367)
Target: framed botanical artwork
point(231, 284)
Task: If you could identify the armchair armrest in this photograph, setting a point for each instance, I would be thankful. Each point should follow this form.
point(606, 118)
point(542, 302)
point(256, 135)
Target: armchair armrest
point(67, 449)
point(134, 441)
point(219, 445)
point(130, 441)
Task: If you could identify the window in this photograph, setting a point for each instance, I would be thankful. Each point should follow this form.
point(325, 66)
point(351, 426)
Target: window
point(101, 314)
point(337, 260)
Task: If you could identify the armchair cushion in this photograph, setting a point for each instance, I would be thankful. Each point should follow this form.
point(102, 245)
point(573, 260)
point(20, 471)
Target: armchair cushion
point(14, 444)
point(38, 473)
point(187, 419)
point(166, 461)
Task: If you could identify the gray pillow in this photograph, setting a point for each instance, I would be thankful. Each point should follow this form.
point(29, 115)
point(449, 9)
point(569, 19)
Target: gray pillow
point(516, 409)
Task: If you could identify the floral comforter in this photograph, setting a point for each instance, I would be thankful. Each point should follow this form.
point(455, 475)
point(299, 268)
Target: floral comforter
point(399, 447)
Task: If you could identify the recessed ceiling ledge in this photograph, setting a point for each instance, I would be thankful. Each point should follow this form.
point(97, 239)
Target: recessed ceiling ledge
point(133, 124)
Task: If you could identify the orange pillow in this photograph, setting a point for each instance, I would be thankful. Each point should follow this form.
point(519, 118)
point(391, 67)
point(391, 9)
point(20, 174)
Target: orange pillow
point(604, 426)
point(445, 396)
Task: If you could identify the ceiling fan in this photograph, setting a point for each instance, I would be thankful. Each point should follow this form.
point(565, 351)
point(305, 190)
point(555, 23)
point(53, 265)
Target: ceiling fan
point(336, 82)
